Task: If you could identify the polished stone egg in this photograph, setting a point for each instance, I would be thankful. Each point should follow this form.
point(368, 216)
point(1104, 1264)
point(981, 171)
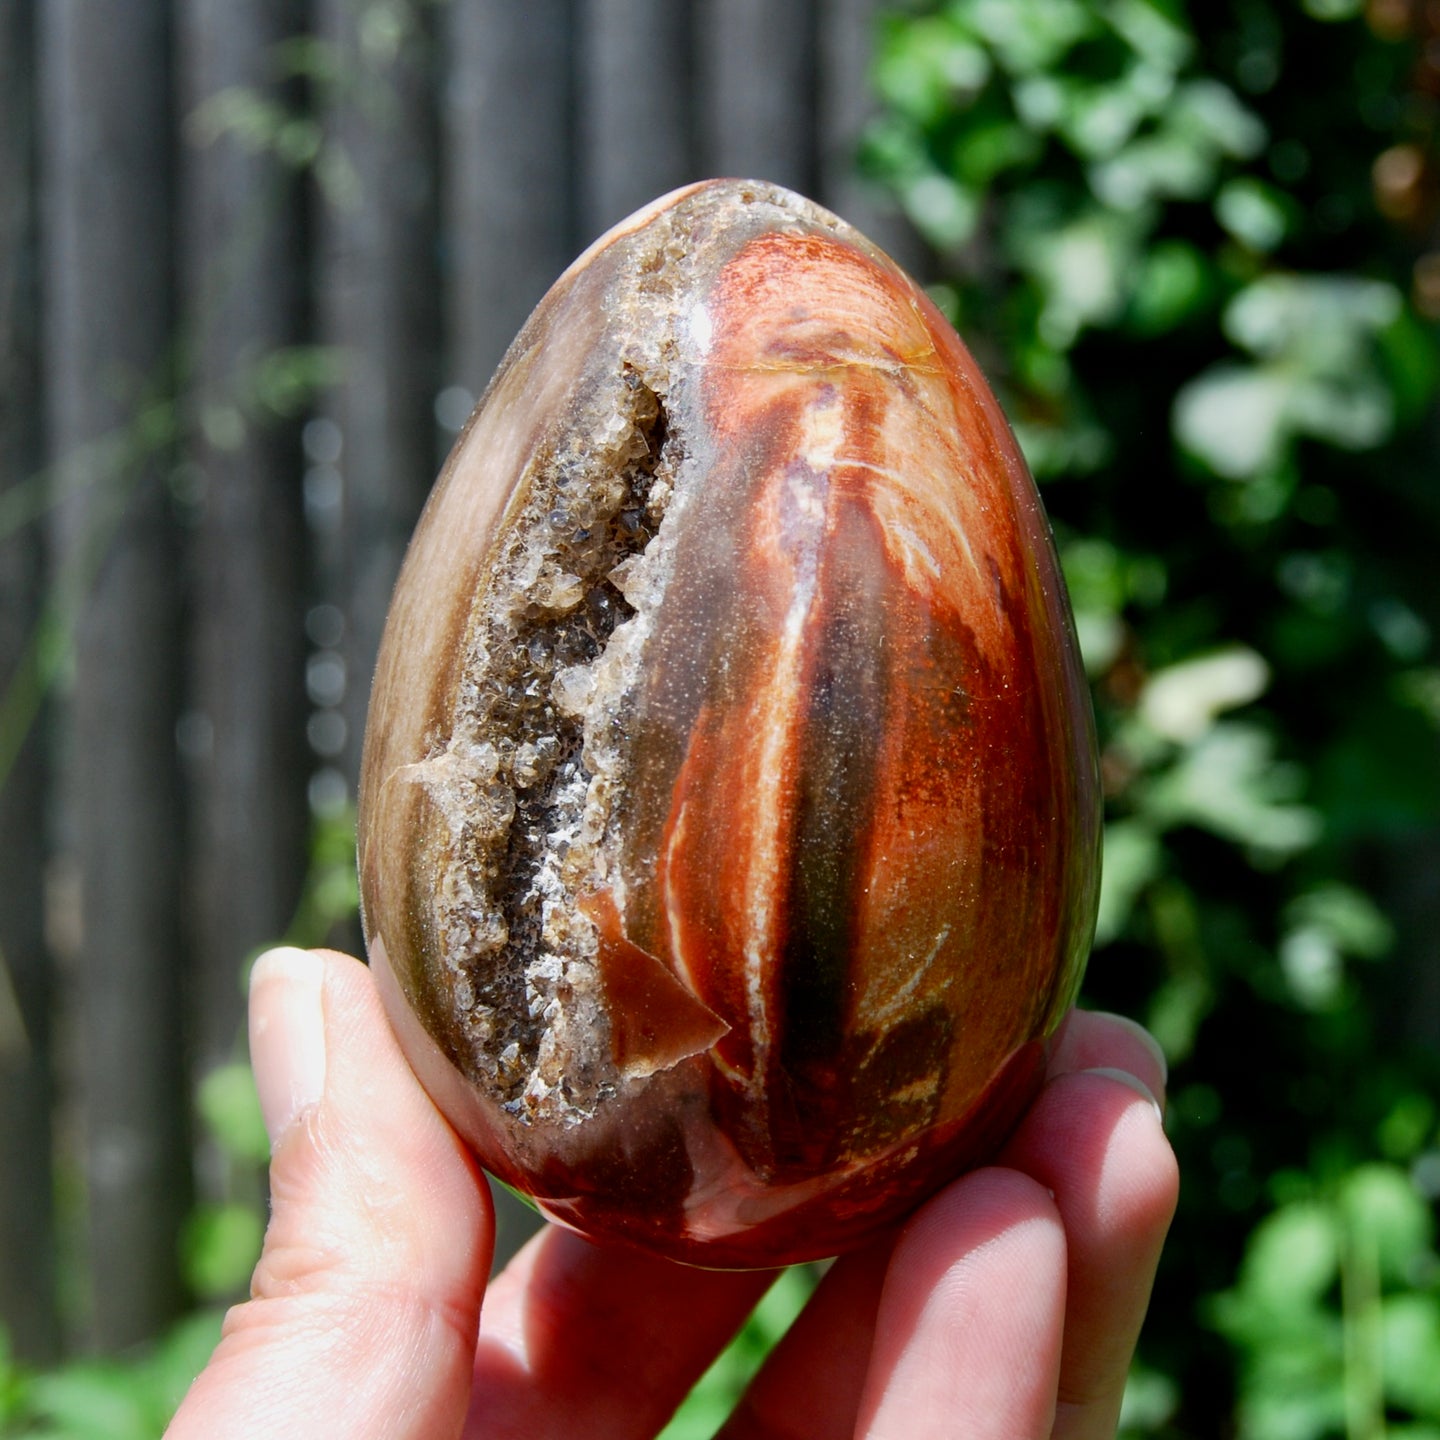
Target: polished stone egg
point(729, 823)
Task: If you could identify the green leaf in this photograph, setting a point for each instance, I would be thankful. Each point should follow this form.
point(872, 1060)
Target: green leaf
point(288, 381)
point(247, 116)
point(132, 1399)
point(1101, 634)
point(1403, 633)
point(230, 1109)
point(987, 149)
point(1235, 418)
point(1152, 31)
point(1324, 322)
point(220, 1246)
point(1029, 35)
point(1292, 1262)
point(180, 1356)
point(1313, 969)
point(892, 149)
point(1419, 690)
point(14, 1383)
point(1407, 1126)
point(1347, 916)
point(1410, 1331)
point(1098, 119)
point(1332, 10)
point(1176, 1010)
point(944, 212)
point(1356, 413)
point(1303, 1400)
point(1411, 361)
point(1228, 782)
point(1174, 282)
point(1102, 583)
point(1321, 580)
point(1095, 575)
point(95, 1401)
point(1073, 447)
point(1381, 1203)
point(1083, 267)
point(1133, 858)
point(1181, 702)
point(1253, 212)
point(1039, 101)
point(924, 66)
point(1163, 166)
point(1210, 112)
point(1151, 1399)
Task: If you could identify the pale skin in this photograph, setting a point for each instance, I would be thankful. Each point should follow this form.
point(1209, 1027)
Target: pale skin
point(1007, 1306)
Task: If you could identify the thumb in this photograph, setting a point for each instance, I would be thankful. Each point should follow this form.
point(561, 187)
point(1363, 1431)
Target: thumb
point(365, 1305)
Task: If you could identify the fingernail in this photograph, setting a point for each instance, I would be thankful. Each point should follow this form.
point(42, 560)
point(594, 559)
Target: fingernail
point(1133, 1081)
point(1149, 1042)
point(287, 1036)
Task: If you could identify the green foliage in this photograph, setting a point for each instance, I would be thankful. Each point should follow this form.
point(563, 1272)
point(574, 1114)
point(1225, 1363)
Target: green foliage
point(130, 1399)
point(135, 1395)
point(219, 1246)
point(1336, 1312)
point(230, 1111)
point(222, 1238)
point(1156, 229)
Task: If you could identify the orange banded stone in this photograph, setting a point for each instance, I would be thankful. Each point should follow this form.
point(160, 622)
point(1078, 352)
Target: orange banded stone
point(729, 832)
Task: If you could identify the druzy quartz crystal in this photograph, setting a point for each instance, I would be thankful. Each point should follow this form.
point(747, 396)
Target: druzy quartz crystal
point(729, 817)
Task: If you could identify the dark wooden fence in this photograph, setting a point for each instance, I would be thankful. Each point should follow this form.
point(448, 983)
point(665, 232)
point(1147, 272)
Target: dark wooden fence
point(256, 256)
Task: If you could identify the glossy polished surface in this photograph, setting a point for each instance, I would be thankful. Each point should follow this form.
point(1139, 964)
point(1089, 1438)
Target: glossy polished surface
point(729, 822)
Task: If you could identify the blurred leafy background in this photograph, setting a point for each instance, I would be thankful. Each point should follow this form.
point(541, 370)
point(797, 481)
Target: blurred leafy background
point(1197, 249)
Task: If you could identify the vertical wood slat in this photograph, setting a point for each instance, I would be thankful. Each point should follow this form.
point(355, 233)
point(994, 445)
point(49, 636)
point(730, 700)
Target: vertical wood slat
point(756, 90)
point(27, 1243)
point(844, 102)
point(106, 138)
point(508, 226)
point(243, 271)
point(378, 304)
point(635, 132)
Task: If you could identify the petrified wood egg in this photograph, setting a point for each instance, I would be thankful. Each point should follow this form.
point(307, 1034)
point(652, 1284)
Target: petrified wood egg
point(729, 822)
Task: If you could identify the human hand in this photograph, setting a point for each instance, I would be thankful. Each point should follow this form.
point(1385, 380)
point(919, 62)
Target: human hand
point(1008, 1305)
